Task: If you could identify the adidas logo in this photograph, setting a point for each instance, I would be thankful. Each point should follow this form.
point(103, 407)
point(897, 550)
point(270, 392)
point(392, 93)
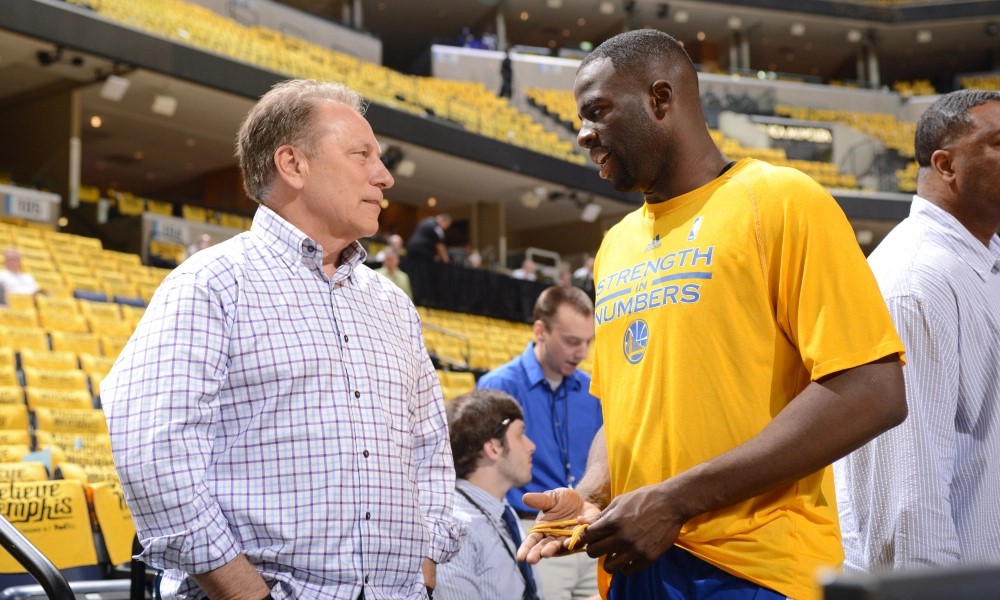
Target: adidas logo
point(653, 245)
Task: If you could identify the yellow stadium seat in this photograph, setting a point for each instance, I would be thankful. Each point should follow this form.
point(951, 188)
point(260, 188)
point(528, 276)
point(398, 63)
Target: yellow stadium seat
point(117, 327)
point(108, 311)
point(6, 357)
point(72, 379)
point(57, 303)
point(59, 420)
point(10, 317)
point(75, 342)
point(23, 471)
point(63, 321)
point(48, 359)
point(11, 394)
point(21, 302)
point(51, 398)
point(13, 416)
point(65, 536)
point(15, 437)
point(112, 345)
point(96, 365)
point(19, 338)
point(8, 376)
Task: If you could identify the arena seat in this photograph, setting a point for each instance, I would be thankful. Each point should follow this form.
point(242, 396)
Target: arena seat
point(78, 342)
point(48, 359)
point(19, 338)
point(53, 398)
point(55, 379)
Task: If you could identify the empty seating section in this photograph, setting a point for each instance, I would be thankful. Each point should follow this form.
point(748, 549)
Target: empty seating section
point(893, 133)
point(54, 351)
point(918, 87)
point(981, 82)
point(472, 343)
point(561, 106)
point(468, 104)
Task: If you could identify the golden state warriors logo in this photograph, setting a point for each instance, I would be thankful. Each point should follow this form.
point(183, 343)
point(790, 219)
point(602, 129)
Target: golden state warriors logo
point(636, 340)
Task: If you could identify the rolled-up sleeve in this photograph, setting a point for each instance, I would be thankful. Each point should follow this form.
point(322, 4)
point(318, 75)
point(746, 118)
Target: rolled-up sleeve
point(161, 404)
point(434, 463)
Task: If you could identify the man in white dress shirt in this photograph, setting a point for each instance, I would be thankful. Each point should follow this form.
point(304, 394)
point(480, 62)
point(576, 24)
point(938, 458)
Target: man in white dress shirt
point(492, 455)
point(925, 493)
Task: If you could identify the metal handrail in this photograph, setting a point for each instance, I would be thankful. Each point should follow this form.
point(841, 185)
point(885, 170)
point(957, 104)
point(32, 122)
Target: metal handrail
point(41, 568)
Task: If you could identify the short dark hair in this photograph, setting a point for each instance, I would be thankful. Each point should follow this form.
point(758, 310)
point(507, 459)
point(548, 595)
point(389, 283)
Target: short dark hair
point(552, 298)
point(946, 120)
point(633, 51)
point(474, 419)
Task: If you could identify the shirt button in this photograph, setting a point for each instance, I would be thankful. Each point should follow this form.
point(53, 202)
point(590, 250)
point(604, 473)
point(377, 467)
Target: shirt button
point(366, 579)
point(366, 454)
point(357, 394)
point(345, 337)
point(311, 248)
point(368, 516)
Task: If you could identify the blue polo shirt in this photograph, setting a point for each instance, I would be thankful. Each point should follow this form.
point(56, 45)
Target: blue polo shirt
point(561, 422)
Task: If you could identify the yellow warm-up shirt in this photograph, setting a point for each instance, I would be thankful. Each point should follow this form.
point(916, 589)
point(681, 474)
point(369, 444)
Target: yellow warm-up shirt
point(714, 310)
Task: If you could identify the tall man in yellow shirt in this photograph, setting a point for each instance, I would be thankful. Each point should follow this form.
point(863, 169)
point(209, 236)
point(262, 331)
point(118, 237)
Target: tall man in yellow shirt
point(742, 346)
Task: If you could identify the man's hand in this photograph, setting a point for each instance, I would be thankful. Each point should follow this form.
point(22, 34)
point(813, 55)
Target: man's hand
point(555, 505)
point(429, 569)
point(634, 530)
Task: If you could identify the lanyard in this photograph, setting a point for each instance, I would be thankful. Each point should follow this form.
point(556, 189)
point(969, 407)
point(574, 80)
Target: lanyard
point(560, 427)
point(503, 538)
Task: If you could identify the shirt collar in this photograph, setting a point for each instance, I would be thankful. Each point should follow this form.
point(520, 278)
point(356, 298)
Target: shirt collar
point(489, 503)
point(533, 371)
point(982, 260)
point(295, 248)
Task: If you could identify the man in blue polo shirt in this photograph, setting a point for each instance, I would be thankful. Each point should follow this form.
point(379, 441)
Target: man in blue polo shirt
point(561, 418)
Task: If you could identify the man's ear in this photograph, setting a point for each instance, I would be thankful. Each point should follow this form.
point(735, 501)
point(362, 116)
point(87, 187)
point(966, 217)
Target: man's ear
point(941, 163)
point(492, 450)
point(291, 165)
point(538, 328)
point(661, 94)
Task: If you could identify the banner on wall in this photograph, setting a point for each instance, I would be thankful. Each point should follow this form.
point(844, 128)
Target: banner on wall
point(30, 205)
point(166, 240)
point(54, 516)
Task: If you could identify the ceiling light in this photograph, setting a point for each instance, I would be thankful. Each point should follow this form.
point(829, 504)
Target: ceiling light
point(114, 88)
point(432, 202)
point(406, 168)
point(590, 212)
point(924, 36)
point(681, 16)
point(734, 22)
point(553, 3)
point(95, 122)
point(854, 35)
point(607, 7)
point(797, 29)
point(164, 105)
point(524, 15)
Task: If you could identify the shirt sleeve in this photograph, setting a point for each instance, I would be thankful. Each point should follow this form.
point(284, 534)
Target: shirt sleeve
point(898, 485)
point(434, 463)
point(160, 401)
point(825, 297)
